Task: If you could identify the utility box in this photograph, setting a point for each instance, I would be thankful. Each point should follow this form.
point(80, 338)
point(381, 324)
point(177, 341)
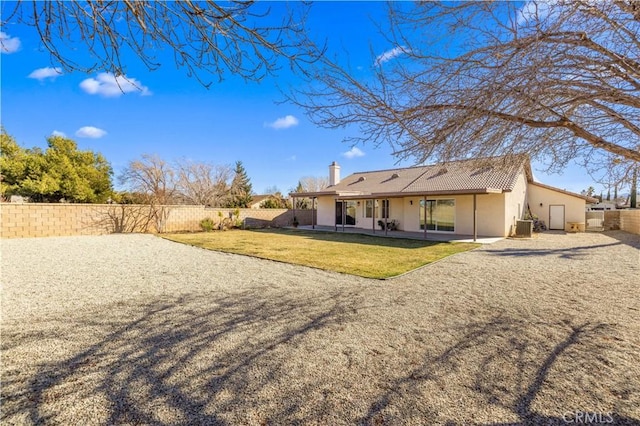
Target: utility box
point(524, 228)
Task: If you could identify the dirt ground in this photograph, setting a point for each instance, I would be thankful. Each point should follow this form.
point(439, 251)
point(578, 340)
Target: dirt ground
point(134, 329)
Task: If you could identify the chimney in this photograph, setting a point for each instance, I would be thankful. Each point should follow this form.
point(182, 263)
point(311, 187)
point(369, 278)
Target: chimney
point(334, 174)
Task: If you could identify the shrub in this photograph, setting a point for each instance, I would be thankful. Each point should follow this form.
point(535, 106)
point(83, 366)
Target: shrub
point(207, 224)
point(238, 221)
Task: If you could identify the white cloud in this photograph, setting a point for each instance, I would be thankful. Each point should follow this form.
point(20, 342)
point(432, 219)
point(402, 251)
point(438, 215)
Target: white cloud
point(9, 44)
point(353, 153)
point(47, 72)
point(283, 122)
point(108, 85)
point(58, 133)
point(90, 132)
point(390, 54)
point(535, 11)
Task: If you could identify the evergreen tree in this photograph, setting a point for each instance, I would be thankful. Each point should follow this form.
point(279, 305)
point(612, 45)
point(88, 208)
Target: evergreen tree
point(60, 172)
point(301, 203)
point(240, 192)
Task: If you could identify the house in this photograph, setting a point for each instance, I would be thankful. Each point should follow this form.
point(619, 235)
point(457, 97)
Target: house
point(256, 201)
point(471, 197)
point(268, 201)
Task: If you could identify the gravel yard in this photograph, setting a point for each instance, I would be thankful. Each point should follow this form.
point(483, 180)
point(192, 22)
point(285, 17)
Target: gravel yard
point(134, 329)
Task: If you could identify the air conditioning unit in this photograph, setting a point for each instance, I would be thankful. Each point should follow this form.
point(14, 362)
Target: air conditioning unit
point(524, 228)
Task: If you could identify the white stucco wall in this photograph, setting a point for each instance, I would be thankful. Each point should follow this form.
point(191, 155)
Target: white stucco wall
point(411, 216)
point(574, 207)
point(396, 210)
point(491, 214)
point(515, 204)
point(326, 211)
point(366, 222)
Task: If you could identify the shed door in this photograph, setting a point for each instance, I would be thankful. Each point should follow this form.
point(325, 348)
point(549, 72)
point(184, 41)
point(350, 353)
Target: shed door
point(556, 217)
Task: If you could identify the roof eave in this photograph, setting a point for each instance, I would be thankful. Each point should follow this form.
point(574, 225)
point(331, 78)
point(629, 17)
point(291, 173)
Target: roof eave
point(324, 193)
point(417, 193)
point(311, 194)
point(573, 194)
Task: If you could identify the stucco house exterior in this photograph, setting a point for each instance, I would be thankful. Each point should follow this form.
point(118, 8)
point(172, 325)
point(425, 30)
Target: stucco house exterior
point(472, 197)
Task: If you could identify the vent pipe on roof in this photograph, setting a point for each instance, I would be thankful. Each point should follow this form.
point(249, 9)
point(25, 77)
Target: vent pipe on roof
point(334, 174)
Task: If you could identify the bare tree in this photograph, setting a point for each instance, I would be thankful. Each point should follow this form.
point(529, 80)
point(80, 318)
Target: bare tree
point(242, 38)
point(309, 184)
point(314, 183)
point(203, 183)
point(155, 178)
point(559, 80)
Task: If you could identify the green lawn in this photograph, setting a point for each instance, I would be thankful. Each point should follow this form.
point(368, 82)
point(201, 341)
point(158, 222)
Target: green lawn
point(363, 255)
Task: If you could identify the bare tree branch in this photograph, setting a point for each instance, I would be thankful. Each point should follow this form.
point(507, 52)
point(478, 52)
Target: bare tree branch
point(203, 183)
point(559, 80)
point(207, 38)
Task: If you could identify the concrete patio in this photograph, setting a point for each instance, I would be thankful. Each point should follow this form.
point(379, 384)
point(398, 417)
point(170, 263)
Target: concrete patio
point(430, 236)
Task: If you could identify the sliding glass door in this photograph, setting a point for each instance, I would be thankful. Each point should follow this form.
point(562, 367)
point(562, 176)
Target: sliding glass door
point(350, 212)
point(440, 215)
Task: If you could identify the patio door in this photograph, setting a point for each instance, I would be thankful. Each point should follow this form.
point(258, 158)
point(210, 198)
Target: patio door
point(439, 215)
point(349, 208)
point(556, 216)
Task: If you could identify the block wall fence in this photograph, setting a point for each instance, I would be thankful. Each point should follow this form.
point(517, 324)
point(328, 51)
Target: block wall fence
point(627, 220)
point(47, 220)
point(630, 221)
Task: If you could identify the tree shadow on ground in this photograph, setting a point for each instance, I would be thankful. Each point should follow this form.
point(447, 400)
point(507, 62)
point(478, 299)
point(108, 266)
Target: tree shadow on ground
point(253, 358)
point(512, 388)
point(574, 252)
point(193, 365)
point(632, 240)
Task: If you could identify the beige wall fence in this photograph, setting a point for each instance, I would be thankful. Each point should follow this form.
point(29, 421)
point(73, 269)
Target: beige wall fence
point(630, 221)
point(627, 220)
point(45, 220)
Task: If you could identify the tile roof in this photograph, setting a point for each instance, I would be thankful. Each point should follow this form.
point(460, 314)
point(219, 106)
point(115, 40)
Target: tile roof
point(496, 174)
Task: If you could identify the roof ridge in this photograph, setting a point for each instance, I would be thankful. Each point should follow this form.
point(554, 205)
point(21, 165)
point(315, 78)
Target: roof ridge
point(522, 156)
point(390, 170)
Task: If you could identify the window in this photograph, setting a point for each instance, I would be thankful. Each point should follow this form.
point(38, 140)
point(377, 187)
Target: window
point(440, 215)
point(372, 209)
point(385, 209)
point(368, 208)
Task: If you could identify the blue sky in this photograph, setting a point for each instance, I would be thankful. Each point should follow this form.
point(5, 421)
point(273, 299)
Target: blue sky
point(174, 116)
